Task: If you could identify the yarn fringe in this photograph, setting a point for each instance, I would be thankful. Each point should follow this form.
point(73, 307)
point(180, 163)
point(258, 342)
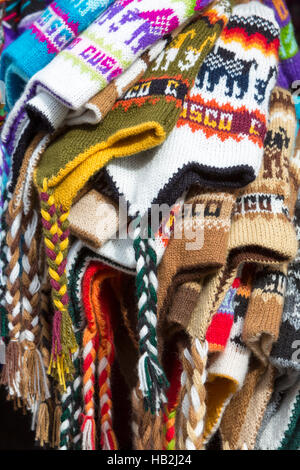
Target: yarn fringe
point(34, 380)
point(11, 373)
point(42, 425)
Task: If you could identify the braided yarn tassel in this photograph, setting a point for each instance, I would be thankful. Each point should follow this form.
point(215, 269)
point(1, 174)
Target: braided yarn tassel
point(152, 378)
point(106, 355)
point(11, 374)
point(90, 347)
point(34, 381)
point(56, 237)
point(43, 415)
point(193, 407)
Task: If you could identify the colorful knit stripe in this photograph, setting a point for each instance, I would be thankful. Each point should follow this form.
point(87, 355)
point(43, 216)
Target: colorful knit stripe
point(219, 330)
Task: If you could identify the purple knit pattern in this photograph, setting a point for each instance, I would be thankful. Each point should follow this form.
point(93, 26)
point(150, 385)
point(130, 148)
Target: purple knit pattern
point(281, 11)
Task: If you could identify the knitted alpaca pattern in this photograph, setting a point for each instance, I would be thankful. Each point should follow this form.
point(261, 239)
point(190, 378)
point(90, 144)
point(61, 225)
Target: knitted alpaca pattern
point(136, 122)
point(235, 129)
point(58, 25)
point(109, 46)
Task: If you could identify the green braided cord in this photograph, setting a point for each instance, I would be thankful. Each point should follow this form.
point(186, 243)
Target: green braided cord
point(152, 378)
point(4, 322)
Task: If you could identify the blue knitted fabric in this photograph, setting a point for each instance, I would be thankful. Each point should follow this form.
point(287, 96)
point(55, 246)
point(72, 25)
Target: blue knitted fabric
point(58, 25)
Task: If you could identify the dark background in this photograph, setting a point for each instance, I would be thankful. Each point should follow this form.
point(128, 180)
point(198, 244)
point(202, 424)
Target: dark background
point(15, 431)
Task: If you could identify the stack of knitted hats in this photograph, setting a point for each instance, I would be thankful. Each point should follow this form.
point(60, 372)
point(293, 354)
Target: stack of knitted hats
point(150, 223)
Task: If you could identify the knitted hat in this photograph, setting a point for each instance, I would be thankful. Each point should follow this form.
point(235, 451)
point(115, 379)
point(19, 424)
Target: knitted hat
point(261, 214)
point(178, 159)
point(257, 405)
point(227, 370)
point(188, 260)
point(106, 49)
point(219, 330)
point(99, 105)
point(264, 313)
point(48, 105)
point(289, 54)
point(18, 16)
point(135, 123)
point(58, 25)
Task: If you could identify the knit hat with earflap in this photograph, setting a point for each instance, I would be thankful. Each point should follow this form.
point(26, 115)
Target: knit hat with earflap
point(152, 378)
point(289, 54)
point(227, 370)
point(143, 118)
point(261, 214)
point(58, 25)
point(223, 122)
point(106, 49)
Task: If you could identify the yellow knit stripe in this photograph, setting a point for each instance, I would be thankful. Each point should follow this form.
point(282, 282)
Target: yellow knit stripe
point(125, 142)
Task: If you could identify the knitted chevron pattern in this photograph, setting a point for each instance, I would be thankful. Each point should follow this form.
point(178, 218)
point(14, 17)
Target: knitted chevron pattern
point(122, 132)
point(193, 394)
point(152, 378)
point(56, 242)
point(58, 25)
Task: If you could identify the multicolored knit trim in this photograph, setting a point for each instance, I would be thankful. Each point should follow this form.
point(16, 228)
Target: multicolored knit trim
point(219, 330)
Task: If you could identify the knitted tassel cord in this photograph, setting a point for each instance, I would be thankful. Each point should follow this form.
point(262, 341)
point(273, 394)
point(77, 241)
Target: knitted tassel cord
point(56, 237)
point(193, 396)
point(90, 346)
point(105, 361)
point(34, 381)
point(152, 378)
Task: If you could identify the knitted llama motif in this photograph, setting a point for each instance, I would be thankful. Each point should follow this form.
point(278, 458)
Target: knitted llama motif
point(153, 104)
point(59, 24)
point(231, 94)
